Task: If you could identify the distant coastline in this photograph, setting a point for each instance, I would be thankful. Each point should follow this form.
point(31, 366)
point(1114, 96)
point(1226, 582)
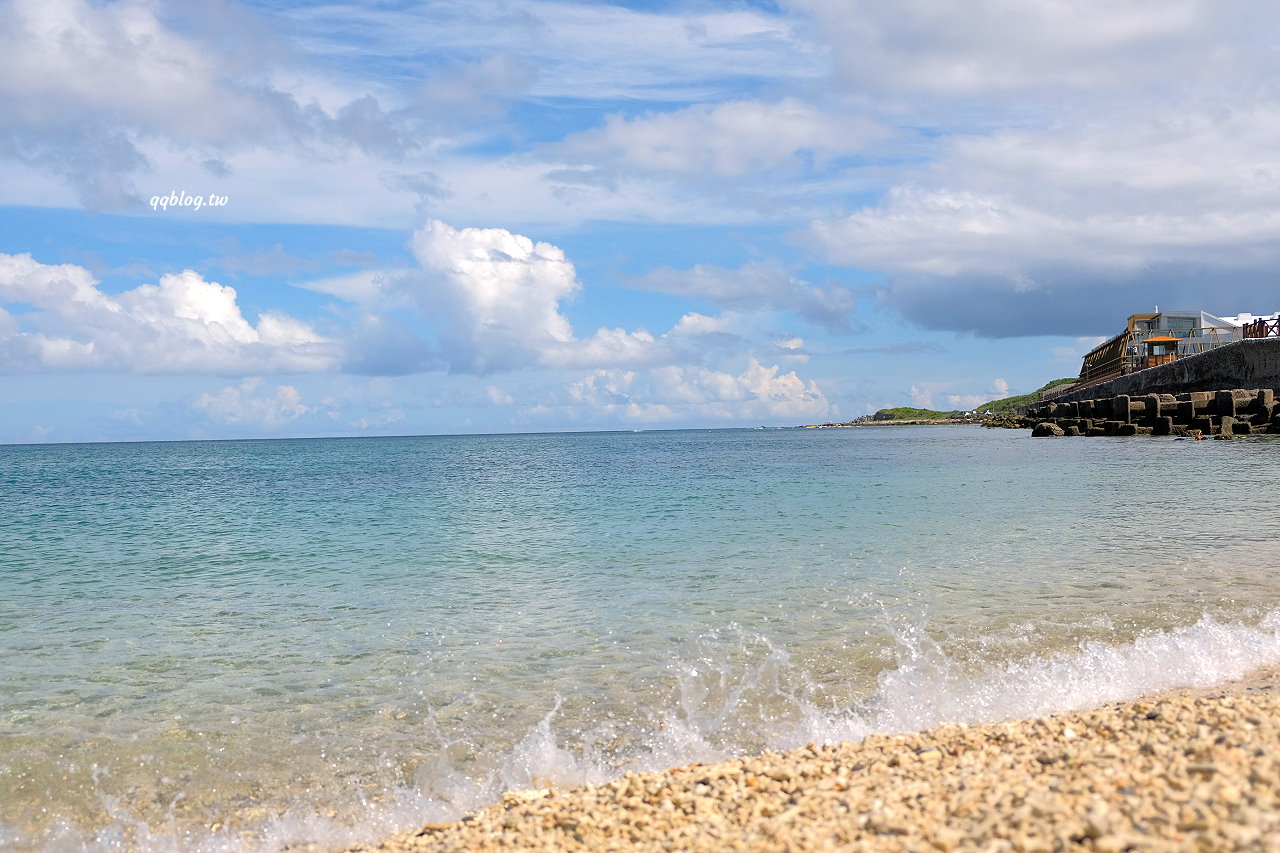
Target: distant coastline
point(865, 422)
point(991, 413)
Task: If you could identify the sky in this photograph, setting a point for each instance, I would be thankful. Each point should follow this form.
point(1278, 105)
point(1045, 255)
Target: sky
point(271, 218)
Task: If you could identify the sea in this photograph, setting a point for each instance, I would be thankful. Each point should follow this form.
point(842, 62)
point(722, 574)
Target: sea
point(248, 645)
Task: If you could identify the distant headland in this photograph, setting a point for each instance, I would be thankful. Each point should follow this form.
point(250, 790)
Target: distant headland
point(987, 413)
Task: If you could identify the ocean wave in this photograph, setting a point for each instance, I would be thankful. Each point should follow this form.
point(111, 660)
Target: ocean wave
point(736, 692)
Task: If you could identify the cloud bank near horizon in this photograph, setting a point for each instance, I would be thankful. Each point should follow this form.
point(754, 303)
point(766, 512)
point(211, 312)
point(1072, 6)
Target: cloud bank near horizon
point(481, 302)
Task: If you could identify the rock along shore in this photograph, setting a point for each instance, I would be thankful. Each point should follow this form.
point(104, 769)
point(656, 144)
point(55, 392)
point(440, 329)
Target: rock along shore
point(1183, 771)
point(1237, 411)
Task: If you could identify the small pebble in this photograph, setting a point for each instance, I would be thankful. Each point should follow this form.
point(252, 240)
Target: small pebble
point(1185, 771)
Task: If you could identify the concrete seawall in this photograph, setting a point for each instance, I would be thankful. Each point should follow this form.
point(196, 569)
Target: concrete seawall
point(1233, 412)
point(1251, 363)
point(1228, 391)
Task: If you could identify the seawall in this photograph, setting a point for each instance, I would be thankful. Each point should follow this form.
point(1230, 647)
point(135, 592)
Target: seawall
point(1253, 363)
point(1233, 412)
point(1228, 391)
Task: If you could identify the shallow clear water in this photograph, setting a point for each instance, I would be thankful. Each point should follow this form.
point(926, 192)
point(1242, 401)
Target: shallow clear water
point(240, 645)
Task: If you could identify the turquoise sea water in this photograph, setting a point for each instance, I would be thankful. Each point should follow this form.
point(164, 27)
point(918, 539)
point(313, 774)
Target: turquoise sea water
point(244, 645)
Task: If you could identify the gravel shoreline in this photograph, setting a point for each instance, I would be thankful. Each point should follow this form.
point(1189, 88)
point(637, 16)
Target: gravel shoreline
point(1187, 770)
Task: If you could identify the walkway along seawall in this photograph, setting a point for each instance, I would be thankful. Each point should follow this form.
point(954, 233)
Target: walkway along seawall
point(1231, 390)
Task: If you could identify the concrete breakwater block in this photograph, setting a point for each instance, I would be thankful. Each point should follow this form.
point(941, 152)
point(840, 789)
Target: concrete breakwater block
point(1229, 412)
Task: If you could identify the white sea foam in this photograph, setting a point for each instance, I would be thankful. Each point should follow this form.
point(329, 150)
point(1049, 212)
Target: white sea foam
point(747, 702)
point(925, 689)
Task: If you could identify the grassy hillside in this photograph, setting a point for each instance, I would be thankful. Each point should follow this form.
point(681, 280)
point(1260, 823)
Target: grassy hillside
point(1009, 404)
point(1000, 407)
point(906, 413)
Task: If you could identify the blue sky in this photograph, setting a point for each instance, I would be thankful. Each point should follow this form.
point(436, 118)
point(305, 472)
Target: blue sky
point(446, 216)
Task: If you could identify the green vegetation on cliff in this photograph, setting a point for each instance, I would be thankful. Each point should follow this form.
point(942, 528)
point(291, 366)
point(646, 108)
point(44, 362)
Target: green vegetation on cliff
point(906, 413)
point(1010, 404)
point(1000, 407)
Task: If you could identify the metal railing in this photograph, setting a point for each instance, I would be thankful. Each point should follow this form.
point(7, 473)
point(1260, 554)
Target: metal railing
point(1190, 342)
point(1127, 352)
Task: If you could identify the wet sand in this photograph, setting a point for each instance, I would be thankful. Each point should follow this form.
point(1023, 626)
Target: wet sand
point(1195, 769)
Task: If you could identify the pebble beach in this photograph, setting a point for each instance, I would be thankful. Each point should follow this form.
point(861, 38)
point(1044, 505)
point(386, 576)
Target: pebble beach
point(1188, 770)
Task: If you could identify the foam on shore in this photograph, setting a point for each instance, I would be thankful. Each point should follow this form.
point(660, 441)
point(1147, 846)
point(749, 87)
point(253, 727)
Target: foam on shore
point(1191, 769)
point(726, 697)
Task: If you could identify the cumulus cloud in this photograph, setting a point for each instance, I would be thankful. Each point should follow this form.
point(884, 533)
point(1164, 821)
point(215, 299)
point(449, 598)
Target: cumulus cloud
point(791, 350)
point(495, 298)
point(922, 395)
point(494, 301)
point(242, 405)
point(925, 395)
point(480, 302)
point(670, 392)
point(498, 396)
point(998, 391)
point(497, 293)
point(183, 324)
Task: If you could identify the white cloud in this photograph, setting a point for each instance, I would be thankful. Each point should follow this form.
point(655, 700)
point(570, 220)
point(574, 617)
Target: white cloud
point(1075, 168)
point(965, 402)
point(790, 350)
point(499, 397)
point(1037, 231)
point(1075, 352)
point(694, 323)
point(1115, 194)
point(607, 347)
point(673, 392)
point(922, 395)
point(757, 286)
point(499, 292)
point(276, 109)
point(183, 324)
point(784, 394)
point(595, 51)
point(240, 405)
point(88, 88)
point(728, 139)
point(478, 89)
point(987, 47)
point(496, 297)
point(389, 416)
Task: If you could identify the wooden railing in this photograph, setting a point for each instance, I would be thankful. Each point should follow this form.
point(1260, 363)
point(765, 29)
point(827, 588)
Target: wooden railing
point(1262, 328)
